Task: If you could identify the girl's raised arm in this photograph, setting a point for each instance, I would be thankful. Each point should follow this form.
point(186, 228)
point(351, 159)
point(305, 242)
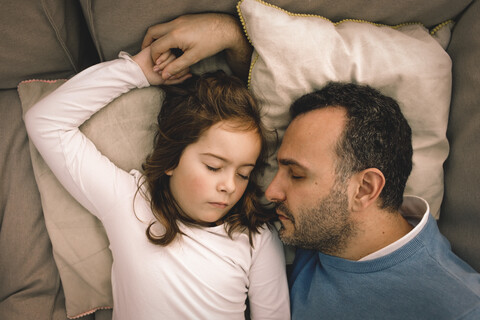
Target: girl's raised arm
point(53, 126)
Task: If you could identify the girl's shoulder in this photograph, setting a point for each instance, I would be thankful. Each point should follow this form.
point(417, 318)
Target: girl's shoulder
point(266, 233)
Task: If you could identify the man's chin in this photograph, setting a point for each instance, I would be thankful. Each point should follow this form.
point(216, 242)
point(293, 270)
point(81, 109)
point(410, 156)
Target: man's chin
point(285, 236)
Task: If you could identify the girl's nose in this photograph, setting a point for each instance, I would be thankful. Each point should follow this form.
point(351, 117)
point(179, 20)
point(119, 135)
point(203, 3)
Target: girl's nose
point(227, 184)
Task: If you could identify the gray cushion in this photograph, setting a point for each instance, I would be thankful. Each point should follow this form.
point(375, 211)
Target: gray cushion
point(30, 286)
point(41, 39)
point(122, 26)
point(391, 12)
point(460, 214)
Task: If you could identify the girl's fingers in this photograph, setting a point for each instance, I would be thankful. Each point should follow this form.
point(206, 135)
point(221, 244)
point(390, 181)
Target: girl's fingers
point(180, 74)
point(163, 60)
point(163, 57)
point(168, 59)
point(177, 81)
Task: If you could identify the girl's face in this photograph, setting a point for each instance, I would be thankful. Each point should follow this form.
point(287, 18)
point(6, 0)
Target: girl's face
point(213, 172)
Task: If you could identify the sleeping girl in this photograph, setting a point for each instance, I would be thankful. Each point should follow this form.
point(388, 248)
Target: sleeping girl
point(188, 234)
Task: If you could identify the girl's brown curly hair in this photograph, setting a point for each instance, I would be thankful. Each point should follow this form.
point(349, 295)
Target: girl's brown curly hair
point(188, 110)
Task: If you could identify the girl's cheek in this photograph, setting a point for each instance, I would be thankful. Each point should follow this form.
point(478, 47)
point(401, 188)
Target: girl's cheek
point(197, 183)
point(240, 191)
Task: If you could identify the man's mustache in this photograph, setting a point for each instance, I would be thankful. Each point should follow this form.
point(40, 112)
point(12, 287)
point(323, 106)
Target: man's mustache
point(282, 209)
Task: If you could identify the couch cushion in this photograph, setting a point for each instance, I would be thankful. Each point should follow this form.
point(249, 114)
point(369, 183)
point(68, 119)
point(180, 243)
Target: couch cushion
point(42, 39)
point(460, 217)
point(392, 12)
point(296, 54)
point(123, 26)
point(29, 281)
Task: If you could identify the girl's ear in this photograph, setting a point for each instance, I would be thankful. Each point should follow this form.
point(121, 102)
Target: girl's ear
point(169, 172)
point(368, 184)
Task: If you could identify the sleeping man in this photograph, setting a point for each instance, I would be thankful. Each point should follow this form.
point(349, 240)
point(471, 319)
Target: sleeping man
point(363, 249)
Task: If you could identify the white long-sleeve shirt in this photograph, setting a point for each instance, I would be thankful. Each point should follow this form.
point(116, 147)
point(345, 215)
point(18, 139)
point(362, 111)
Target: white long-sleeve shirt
point(201, 275)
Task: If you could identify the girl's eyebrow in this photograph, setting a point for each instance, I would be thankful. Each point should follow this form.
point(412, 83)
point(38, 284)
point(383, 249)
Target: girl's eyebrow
point(225, 160)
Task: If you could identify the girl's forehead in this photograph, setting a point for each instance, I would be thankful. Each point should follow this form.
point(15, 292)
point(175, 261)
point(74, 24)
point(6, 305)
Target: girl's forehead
point(230, 142)
point(236, 125)
point(229, 128)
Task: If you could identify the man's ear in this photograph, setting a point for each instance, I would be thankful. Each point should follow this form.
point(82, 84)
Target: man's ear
point(368, 184)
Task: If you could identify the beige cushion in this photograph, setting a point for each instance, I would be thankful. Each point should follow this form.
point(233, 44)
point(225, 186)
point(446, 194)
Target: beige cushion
point(296, 54)
point(80, 246)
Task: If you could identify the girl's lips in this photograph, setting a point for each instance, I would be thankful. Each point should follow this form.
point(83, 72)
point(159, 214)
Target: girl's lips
point(219, 205)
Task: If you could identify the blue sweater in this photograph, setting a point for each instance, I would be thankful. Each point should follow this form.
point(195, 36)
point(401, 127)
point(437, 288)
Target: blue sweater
point(421, 280)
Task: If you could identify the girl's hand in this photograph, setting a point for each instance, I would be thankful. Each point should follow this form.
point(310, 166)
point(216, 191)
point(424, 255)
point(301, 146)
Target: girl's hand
point(153, 72)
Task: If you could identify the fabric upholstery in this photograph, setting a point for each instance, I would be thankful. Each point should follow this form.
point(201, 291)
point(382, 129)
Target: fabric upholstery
point(42, 39)
point(460, 214)
point(30, 287)
point(112, 31)
point(30, 49)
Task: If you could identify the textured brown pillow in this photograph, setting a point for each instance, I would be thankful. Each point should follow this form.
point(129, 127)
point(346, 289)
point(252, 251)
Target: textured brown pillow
point(123, 131)
point(80, 246)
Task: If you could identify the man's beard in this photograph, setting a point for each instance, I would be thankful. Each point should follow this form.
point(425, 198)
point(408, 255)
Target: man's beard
point(327, 227)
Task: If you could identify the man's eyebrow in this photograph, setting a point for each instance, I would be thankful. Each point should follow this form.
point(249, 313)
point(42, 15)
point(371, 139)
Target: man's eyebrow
point(225, 160)
point(291, 162)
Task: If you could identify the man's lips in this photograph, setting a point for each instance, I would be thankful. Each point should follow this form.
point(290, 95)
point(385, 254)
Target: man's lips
point(281, 216)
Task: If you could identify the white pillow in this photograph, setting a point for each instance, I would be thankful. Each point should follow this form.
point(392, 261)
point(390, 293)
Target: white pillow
point(296, 54)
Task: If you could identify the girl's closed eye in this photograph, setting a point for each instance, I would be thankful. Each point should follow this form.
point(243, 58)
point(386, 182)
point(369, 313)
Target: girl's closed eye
point(244, 177)
point(211, 168)
point(244, 174)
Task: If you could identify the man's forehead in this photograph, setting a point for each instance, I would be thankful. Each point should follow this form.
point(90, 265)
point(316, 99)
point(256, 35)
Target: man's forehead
point(313, 132)
point(318, 123)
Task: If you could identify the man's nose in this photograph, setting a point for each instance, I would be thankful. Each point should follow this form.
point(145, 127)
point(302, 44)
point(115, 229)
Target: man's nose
point(274, 191)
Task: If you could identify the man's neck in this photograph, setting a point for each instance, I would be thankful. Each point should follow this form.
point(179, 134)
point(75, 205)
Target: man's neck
point(375, 230)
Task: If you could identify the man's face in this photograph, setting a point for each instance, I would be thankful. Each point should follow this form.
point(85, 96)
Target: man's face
point(312, 204)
